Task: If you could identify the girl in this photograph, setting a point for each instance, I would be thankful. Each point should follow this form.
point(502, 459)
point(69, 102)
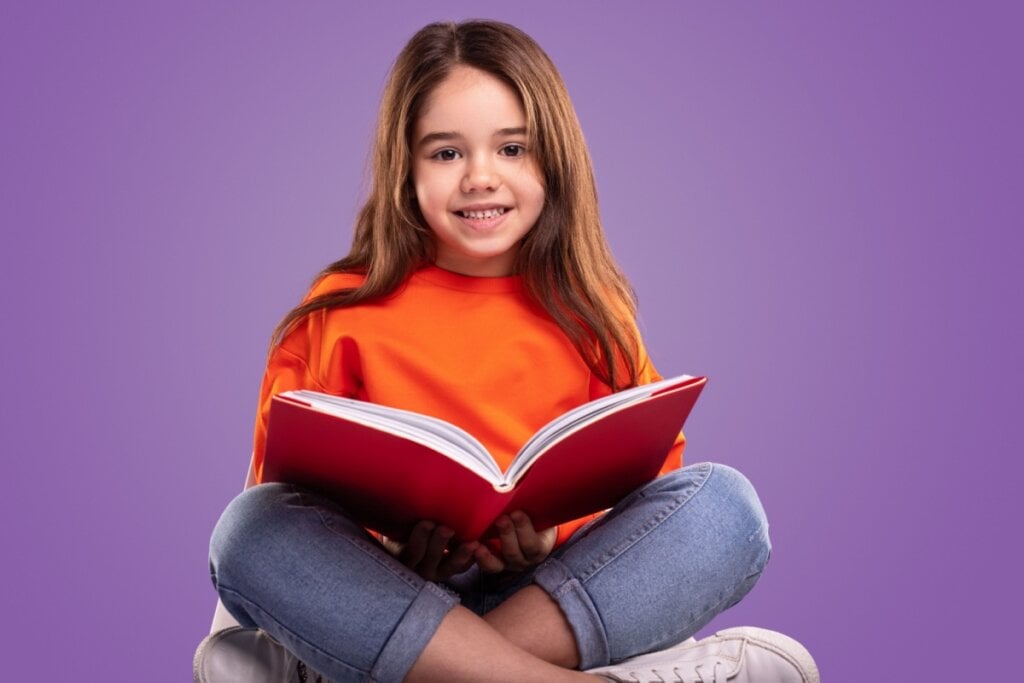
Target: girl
point(480, 289)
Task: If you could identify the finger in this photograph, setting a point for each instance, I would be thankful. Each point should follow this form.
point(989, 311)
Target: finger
point(436, 549)
point(458, 559)
point(488, 562)
point(531, 546)
point(510, 551)
point(548, 537)
point(416, 547)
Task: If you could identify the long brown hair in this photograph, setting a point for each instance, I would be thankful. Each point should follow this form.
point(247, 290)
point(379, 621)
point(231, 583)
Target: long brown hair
point(565, 262)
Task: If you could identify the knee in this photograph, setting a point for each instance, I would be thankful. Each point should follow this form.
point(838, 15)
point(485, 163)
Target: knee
point(722, 505)
point(725, 508)
point(740, 517)
point(245, 527)
point(736, 493)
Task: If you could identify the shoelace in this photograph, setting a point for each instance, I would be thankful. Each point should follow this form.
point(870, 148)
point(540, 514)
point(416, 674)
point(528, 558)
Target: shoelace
point(717, 674)
point(720, 668)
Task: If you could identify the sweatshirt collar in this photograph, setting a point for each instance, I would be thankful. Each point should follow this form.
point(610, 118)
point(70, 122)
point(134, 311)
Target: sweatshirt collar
point(466, 283)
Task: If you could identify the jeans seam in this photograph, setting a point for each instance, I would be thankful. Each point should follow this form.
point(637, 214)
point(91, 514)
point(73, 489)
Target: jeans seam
point(724, 603)
point(372, 550)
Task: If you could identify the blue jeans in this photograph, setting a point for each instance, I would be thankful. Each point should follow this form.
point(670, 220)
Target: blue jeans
point(648, 574)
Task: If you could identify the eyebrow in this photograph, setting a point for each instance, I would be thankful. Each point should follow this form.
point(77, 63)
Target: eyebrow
point(444, 136)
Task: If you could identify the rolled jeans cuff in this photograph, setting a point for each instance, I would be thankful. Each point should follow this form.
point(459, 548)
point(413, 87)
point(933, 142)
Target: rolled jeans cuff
point(413, 632)
point(566, 590)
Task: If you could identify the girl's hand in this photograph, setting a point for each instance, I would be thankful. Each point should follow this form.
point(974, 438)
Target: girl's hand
point(432, 553)
point(522, 546)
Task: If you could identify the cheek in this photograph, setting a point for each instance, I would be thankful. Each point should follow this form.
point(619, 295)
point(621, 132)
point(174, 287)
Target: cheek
point(419, 194)
point(430, 193)
point(427, 202)
point(418, 181)
point(432, 205)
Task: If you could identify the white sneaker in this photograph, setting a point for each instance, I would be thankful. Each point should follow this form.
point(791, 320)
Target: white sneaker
point(248, 655)
point(736, 655)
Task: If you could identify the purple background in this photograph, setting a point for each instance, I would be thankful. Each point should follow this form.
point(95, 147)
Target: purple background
point(815, 205)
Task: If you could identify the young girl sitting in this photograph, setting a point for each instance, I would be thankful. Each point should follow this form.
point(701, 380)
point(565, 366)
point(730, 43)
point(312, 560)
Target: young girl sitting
point(479, 289)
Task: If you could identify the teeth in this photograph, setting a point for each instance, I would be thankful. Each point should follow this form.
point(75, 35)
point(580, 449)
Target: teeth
point(489, 213)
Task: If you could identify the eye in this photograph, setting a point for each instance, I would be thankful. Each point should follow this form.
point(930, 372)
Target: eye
point(513, 150)
point(446, 154)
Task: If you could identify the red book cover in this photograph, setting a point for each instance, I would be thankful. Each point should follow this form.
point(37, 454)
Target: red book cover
point(390, 469)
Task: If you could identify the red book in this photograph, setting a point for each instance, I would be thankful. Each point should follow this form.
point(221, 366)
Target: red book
point(391, 468)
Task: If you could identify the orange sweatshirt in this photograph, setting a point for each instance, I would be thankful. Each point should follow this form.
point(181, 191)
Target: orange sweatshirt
point(473, 351)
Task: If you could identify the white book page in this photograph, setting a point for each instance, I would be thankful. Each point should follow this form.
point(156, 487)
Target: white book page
point(441, 436)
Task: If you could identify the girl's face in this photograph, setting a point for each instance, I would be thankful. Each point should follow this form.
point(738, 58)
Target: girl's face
point(479, 187)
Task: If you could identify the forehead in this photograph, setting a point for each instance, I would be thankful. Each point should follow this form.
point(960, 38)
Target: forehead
point(470, 101)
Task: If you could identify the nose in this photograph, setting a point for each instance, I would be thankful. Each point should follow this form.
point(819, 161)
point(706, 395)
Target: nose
point(481, 176)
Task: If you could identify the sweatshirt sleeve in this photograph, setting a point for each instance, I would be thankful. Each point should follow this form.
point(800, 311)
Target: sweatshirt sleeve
point(309, 357)
point(287, 369)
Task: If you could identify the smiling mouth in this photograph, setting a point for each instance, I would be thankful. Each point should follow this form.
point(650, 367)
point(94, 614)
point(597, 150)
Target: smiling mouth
point(483, 215)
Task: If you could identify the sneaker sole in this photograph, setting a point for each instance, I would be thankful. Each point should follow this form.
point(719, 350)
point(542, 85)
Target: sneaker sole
point(782, 645)
point(204, 647)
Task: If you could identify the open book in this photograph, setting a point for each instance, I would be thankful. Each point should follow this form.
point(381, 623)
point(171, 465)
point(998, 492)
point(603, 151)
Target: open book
point(391, 468)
